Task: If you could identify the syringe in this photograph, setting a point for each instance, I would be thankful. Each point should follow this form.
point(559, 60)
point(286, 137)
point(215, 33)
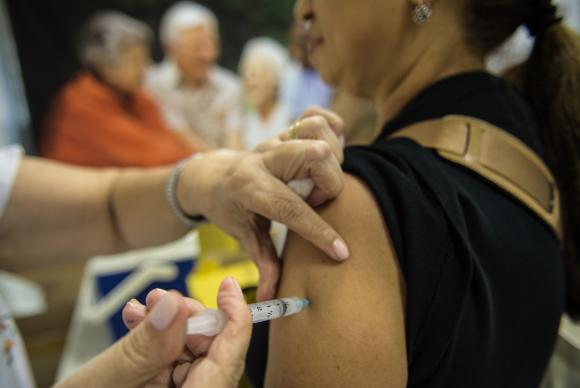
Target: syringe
point(211, 322)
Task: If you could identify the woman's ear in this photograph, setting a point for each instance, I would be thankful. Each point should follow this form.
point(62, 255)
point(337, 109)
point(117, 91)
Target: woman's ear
point(302, 10)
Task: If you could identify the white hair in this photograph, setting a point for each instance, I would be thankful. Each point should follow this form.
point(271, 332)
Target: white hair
point(183, 15)
point(268, 50)
point(107, 34)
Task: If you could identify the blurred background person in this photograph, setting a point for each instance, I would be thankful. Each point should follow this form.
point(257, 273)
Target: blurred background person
point(302, 86)
point(200, 100)
point(103, 117)
point(261, 67)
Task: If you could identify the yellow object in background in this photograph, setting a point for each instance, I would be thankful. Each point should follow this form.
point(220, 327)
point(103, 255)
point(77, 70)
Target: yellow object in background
point(220, 256)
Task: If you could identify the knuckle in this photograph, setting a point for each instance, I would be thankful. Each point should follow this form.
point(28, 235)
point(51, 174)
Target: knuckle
point(317, 122)
point(334, 184)
point(313, 109)
point(138, 354)
point(319, 150)
point(288, 210)
point(241, 176)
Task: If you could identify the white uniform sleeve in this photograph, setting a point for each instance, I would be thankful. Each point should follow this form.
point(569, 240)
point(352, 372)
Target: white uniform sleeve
point(9, 163)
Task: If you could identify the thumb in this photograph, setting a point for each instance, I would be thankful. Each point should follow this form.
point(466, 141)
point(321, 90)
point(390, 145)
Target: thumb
point(224, 363)
point(230, 346)
point(145, 352)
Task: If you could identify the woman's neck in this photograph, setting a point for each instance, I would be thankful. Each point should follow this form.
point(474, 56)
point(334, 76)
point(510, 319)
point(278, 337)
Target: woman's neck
point(432, 66)
point(125, 96)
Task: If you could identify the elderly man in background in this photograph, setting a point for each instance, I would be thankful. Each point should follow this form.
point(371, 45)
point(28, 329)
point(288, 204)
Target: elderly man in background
point(200, 100)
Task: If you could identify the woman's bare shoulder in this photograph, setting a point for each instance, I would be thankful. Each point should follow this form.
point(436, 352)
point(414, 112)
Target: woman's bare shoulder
point(353, 333)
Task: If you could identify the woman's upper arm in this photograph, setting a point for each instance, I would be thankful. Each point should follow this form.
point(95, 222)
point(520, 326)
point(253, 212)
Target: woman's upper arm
point(353, 334)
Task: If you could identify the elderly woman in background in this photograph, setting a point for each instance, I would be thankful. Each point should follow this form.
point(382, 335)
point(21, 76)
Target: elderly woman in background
point(103, 117)
point(262, 66)
point(200, 100)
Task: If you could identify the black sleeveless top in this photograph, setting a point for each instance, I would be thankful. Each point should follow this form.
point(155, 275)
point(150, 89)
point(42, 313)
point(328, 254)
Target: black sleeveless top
point(484, 275)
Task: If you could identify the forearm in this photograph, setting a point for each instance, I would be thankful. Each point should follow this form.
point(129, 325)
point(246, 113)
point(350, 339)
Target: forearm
point(140, 210)
point(59, 212)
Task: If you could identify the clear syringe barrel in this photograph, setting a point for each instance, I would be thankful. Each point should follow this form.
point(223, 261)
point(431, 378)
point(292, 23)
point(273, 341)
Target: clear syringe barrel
point(278, 308)
point(211, 322)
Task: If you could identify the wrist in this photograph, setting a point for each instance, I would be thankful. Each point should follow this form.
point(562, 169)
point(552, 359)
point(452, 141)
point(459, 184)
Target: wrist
point(175, 181)
point(201, 180)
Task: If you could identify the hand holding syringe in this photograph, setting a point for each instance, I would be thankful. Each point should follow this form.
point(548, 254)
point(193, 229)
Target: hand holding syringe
point(211, 322)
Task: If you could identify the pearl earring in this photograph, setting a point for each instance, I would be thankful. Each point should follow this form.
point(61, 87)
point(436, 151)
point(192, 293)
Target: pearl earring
point(422, 13)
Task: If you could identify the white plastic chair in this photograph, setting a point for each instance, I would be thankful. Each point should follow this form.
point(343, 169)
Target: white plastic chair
point(90, 331)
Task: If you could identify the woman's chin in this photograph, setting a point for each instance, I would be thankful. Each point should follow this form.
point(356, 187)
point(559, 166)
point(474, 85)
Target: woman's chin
point(327, 73)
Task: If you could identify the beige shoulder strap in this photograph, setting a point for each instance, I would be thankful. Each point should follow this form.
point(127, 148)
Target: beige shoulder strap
point(497, 156)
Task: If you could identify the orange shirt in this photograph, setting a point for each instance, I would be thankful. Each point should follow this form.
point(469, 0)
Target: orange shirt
point(92, 125)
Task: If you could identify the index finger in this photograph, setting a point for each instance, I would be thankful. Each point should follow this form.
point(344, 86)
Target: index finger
point(295, 160)
point(281, 204)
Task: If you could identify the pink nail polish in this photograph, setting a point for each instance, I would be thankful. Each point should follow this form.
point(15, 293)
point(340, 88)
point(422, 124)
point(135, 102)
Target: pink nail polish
point(235, 284)
point(340, 250)
point(163, 313)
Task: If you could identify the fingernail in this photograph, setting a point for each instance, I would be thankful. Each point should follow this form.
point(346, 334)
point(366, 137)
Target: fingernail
point(340, 250)
point(136, 307)
point(235, 284)
point(161, 291)
point(133, 303)
point(163, 313)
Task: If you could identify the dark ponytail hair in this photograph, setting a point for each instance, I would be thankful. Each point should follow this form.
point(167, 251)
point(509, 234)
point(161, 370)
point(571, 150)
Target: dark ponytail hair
point(550, 80)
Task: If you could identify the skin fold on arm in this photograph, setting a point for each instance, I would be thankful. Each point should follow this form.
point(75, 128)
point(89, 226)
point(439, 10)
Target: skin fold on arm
point(353, 334)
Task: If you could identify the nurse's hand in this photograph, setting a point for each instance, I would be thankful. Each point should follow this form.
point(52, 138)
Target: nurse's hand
point(157, 353)
point(241, 192)
point(315, 124)
point(204, 361)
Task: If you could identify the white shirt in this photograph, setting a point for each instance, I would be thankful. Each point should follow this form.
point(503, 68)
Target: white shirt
point(257, 131)
point(14, 366)
point(9, 162)
point(211, 111)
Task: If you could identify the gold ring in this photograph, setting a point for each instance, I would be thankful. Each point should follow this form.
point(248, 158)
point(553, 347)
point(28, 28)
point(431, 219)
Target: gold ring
point(293, 132)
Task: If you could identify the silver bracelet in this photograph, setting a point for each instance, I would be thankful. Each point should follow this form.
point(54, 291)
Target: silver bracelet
point(171, 194)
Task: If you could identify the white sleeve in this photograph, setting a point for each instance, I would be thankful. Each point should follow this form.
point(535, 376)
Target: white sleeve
point(9, 163)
